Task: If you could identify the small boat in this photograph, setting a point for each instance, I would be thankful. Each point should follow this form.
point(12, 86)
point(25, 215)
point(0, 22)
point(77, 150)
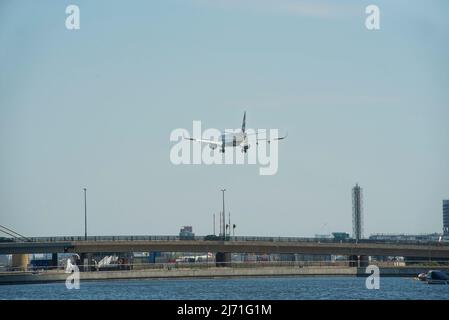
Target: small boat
point(437, 277)
point(422, 276)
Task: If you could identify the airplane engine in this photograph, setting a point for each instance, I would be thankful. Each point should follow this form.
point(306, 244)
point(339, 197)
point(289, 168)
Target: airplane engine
point(213, 146)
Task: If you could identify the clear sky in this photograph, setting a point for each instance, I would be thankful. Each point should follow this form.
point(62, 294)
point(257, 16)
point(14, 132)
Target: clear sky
point(95, 107)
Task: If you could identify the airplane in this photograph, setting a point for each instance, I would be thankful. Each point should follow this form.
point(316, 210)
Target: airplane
point(233, 139)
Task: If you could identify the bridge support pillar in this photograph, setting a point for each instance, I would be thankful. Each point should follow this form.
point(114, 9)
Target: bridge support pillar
point(86, 262)
point(20, 262)
point(358, 261)
point(363, 261)
point(353, 261)
point(54, 260)
point(223, 259)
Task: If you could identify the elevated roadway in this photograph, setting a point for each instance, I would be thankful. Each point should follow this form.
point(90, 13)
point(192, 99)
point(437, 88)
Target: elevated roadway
point(236, 245)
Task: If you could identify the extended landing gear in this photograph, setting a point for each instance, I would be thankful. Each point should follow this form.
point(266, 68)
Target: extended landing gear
point(245, 149)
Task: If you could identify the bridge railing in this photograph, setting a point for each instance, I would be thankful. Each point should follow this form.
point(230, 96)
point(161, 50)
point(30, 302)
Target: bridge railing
point(228, 238)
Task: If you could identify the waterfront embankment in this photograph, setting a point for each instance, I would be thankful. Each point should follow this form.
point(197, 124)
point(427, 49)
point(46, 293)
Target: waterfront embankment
point(212, 272)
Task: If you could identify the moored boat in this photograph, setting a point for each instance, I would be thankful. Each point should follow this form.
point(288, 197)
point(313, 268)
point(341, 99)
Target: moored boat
point(422, 276)
point(437, 277)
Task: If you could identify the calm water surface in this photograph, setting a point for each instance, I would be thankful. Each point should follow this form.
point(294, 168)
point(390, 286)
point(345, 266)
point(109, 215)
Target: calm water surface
point(290, 288)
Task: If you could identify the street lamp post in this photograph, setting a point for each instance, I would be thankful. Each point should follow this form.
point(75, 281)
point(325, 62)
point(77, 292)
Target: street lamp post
point(85, 214)
point(223, 217)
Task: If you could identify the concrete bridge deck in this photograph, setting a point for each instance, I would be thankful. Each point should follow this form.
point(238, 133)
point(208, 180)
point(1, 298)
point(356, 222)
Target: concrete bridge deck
point(427, 250)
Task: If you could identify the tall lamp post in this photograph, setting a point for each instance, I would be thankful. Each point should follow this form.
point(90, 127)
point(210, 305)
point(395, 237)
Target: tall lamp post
point(85, 214)
point(223, 217)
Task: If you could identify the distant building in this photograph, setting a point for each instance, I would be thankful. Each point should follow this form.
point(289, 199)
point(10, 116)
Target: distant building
point(187, 229)
point(446, 217)
point(152, 256)
point(340, 235)
point(405, 237)
point(287, 257)
point(4, 260)
point(357, 223)
point(323, 236)
point(186, 233)
point(317, 258)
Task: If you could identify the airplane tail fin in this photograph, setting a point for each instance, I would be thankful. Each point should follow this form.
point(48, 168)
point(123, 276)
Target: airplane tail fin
point(244, 122)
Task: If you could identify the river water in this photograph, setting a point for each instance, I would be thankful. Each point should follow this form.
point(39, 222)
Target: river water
point(289, 288)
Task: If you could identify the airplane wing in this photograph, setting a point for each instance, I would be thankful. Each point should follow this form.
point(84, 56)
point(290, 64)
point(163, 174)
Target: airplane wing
point(268, 140)
point(217, 143)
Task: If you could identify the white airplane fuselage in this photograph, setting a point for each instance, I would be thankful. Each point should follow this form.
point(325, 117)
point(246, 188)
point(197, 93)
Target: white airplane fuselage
point(232, 139)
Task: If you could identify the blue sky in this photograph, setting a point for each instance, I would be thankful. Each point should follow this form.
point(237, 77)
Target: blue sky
point(95, 108)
